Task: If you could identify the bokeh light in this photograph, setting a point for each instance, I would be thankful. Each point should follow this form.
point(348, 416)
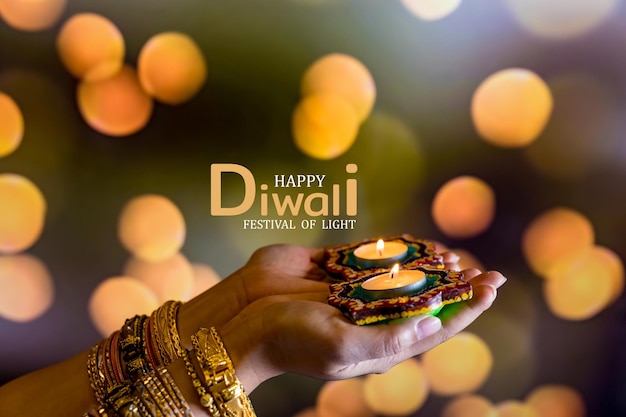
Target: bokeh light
point(556, 401)
point(556, 236)
point(169, 279)
point(118, 298)
point(512, 408)
point(400, 391)
point(115, 106)
point(614, 267)
point(204, 277)
point(171, 67)
point(344, 76)
point(91, 47)
point(31, 15)
point(50, 137)
point(582, 287)
point(458, 366)
point(22, 213)
point(26, 288)
point(464, 207)
point(561, 19)
point(344, 398)
point(431, 9)
point(324, 126)
point(151, 227)
point(469, 406)
point(511, 107)
point(11, 125)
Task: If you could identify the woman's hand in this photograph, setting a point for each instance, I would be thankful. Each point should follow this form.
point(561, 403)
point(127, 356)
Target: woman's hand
point(272, 270)
point(301, 333)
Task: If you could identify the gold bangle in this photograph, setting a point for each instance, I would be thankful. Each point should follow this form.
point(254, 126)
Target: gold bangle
point(166, 332)
point(219, 374)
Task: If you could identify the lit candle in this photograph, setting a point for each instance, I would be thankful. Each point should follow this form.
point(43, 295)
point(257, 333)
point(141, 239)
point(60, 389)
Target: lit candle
point(395, 283)
point(380, 254)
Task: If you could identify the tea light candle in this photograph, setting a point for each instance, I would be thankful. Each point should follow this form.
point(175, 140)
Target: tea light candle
point(380, 253)
point(396, 283)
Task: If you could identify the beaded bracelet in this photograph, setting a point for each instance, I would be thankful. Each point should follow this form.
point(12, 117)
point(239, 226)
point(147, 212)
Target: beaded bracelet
point(206, 400)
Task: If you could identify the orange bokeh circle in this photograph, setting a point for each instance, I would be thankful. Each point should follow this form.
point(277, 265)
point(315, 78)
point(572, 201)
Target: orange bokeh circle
point(115, 106)
point(91, 47)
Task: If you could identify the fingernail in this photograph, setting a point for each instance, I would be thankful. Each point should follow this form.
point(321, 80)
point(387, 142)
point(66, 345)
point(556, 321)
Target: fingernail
point(501, 280)
point(428, 326)
point(453, 257)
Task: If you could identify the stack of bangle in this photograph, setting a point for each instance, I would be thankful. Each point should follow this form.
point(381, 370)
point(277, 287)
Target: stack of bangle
point(128, 374)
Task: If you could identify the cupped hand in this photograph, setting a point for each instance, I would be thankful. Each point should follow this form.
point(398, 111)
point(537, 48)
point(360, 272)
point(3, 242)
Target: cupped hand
point(302, 333)
point(271, 271)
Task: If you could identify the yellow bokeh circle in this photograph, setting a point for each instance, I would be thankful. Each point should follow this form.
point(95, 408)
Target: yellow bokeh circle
point(469, 406)
point(22, 213)
point(31, 15)
point(11, 125)
point(169, 279)
point(171, 67)
point(344, 76)
point(324, 126)
point(464, 207)
point(344, 398)
point(204, 277)
point(91, 47)
point(582, 287)
point(118, 298)
point(556, 401)
point(511, 108)
point(151, 227)
point(400, 391)
point(512, 408)
point(26, 288)
point(458, 366)
point(556, 236)
point(115, 106)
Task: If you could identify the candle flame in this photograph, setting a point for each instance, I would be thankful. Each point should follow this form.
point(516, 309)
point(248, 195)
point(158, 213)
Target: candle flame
point(380, 247)
point(394, 271)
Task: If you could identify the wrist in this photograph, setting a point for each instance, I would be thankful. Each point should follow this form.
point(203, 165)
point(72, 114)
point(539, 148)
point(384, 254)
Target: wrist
point(212, 308)
point(246, 340)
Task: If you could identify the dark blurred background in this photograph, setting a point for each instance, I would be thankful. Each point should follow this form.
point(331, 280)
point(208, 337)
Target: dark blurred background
point(419, 136)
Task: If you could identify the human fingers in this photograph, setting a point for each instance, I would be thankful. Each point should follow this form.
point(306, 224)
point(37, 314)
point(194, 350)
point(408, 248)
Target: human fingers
point(450, 260)
point(450, 257)
point(471, 273)
point(493, 278)
point(417, 335)
point(458, 316)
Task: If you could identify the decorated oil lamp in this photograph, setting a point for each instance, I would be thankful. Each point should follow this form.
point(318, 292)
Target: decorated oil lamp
point(359, 259)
